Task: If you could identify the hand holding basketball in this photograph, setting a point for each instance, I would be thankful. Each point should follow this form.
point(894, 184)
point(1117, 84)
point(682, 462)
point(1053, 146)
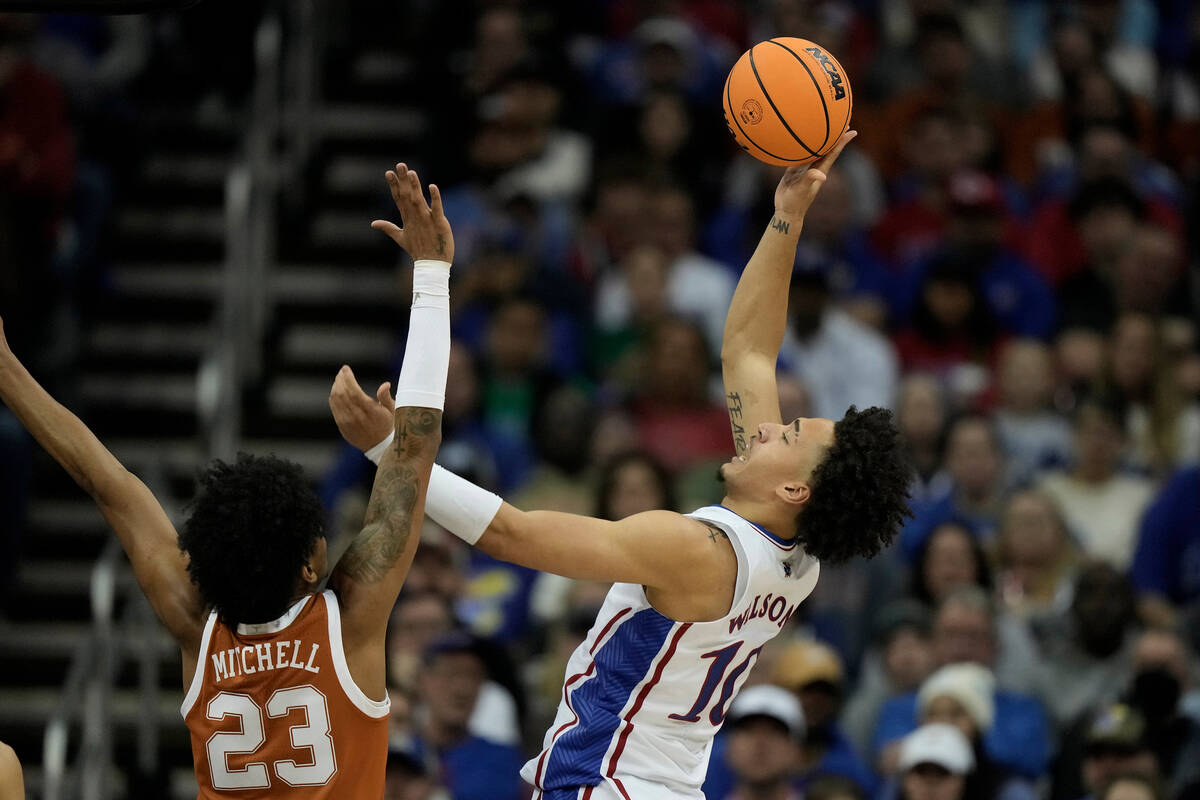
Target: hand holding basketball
point(787, 101)
point(426, 233)
point(799, 185)
point(362, 420)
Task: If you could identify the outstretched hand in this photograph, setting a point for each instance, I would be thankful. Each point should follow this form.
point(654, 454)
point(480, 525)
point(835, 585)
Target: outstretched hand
point(363, 421)
point(799, 185)
point(426, 232)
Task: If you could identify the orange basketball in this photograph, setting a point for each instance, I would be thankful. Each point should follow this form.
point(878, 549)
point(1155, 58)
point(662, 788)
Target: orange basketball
point(787, 101)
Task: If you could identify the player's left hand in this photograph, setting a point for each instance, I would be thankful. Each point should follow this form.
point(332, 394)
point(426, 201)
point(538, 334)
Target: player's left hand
point(799, 185)
point(363, 421)
point(426, 233)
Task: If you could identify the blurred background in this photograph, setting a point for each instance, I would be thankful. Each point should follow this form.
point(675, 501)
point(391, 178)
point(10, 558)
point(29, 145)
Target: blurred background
point(1005, 256)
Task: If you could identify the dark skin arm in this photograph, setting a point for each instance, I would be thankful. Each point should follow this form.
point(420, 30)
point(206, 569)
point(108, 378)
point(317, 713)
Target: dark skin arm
point(371, 571)
point(143, 528)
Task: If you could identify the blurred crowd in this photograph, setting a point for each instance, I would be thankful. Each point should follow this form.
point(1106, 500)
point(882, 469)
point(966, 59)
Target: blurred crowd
point(1003, 257)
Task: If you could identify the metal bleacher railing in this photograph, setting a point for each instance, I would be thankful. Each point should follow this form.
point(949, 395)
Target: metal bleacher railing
point(234, 358)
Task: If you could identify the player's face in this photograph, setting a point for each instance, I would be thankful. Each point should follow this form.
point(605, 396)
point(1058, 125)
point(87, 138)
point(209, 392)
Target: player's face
point(780, 455)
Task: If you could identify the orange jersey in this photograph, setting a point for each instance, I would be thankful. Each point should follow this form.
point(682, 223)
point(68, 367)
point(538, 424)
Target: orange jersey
point(273, 711)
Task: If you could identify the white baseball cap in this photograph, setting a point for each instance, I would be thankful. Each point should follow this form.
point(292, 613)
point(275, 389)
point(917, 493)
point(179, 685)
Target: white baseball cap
point(769, 701)
point(940, 744)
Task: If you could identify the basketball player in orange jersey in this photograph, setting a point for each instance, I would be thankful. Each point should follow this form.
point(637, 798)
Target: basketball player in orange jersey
point(695, 597)
point(286, 694)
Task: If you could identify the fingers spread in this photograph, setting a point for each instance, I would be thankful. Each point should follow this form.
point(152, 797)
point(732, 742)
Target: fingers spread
point(435, 195)
point(393, 231)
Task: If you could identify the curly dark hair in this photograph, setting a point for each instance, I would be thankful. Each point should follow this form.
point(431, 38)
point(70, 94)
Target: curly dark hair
point(859, 490)
point(251, 529)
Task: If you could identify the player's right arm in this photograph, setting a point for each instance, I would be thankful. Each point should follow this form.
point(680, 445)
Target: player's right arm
point(141, 525)
point(371, 571)
point(757, 318)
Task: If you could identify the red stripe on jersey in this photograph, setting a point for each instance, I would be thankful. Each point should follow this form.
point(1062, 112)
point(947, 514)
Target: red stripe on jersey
point(537, 778)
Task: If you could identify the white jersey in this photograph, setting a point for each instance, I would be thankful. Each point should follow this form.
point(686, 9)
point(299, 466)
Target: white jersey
point(644, 695)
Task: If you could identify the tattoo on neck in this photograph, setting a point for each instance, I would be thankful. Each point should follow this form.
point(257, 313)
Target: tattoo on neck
point(390, 517)
point(783, 226)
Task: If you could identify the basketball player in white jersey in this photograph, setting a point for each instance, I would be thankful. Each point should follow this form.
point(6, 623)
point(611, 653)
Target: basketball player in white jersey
point(285, 683)
point(695, 596)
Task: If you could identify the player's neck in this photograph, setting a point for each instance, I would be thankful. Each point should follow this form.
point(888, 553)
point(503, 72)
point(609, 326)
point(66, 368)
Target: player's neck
point(778, 522)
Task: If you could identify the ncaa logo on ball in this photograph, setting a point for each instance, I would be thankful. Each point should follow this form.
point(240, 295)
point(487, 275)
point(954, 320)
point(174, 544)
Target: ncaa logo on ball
point(752, 112)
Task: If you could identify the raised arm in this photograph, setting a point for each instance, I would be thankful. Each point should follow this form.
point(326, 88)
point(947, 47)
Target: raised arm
point(757, 316)
point(145, 532)
point(371, 571)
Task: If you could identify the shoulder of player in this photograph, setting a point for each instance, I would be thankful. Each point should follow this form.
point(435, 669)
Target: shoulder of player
point(696, 549)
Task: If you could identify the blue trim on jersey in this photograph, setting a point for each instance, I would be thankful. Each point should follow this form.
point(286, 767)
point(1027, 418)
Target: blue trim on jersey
point(777, 539)
point(621, 664)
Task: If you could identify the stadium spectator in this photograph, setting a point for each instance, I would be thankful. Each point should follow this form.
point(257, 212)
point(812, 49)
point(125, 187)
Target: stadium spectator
point(899, 660)
point(965, 631)
point(934, 763)
point(977, 229)
point(921, 417)
point(1101, 505)
point(697, 287)
point(762, 751)
point(842, 361)
point(1035, 558)
point(813, 672)
point(961, 695)
point(1087, 653)
point(1163, 423)
point(1131, 787)
point(676, 418)
point(472, 768)
point(975, 463)
point(1166, 563)
point(1033, 435)
point(1108, 742)
point(951, 559)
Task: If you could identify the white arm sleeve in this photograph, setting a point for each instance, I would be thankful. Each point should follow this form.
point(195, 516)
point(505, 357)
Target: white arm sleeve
point(422, 380)
point(455, 503)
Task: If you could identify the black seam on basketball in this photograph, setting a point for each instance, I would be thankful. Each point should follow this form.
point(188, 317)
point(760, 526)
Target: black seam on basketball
point(729, 103)
point(779, 116)
point(816, 86)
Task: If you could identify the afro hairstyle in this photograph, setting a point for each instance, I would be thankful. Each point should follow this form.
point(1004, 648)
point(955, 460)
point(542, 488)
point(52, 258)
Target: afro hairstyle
point(252, 528)
point(859, 490)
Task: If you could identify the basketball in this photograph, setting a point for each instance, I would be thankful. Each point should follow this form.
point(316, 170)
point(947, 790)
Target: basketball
point(787, 101)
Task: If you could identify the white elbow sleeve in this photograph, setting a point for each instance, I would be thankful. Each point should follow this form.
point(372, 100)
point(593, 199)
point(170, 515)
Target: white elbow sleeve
point(460, 506)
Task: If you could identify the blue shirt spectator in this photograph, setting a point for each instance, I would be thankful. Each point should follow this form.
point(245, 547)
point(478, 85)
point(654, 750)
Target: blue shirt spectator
point(1019, 737)
point(1167, 559)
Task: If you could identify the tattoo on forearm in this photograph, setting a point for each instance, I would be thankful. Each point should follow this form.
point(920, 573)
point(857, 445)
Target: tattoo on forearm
point(734, 400)
point(389, 521)
point(783, 226)
point(715, 533)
